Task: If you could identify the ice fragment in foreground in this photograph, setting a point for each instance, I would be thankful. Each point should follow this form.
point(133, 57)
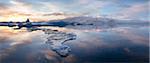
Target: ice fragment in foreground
point(56, 40)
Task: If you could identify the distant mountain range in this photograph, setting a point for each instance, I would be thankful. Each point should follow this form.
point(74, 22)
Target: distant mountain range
point(84, 22)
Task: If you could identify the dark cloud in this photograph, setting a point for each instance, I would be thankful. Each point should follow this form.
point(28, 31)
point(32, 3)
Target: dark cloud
point(3, 6)
point(55, 14)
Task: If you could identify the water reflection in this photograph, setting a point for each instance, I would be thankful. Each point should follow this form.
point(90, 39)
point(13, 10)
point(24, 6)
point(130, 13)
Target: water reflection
point(120, 44)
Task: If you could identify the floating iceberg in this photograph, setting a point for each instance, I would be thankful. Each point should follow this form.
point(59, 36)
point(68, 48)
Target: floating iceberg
point(56, 40)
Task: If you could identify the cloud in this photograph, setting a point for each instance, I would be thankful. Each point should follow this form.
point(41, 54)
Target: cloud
point(133, 12)
point(49, 10)
point(20, 11)
point(53, 14)
point(90, 7)
point(3, 6)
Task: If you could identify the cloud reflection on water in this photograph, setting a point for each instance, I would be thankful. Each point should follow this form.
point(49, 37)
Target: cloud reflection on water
point(89, 46)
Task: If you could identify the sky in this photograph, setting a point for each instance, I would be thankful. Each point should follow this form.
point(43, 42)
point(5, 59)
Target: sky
point(38, 10)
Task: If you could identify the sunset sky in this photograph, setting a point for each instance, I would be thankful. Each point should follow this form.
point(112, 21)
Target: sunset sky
point(37, 10)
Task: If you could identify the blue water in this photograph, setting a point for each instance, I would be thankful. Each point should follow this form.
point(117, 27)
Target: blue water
point(120, 44)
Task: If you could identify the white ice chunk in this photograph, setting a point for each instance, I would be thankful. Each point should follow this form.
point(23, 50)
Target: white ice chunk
point(56, 40)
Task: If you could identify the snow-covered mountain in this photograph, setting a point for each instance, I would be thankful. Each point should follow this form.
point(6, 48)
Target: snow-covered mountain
point(85, 22)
